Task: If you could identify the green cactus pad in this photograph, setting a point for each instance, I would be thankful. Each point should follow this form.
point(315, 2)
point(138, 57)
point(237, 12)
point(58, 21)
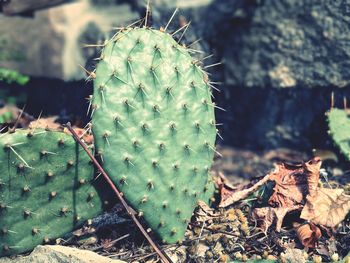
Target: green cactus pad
point(339, 129)
point(47, 188)
point(154, 126)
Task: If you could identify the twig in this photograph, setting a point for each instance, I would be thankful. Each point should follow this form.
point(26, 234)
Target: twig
point(176, 246)
point(112, 243)
point(18, 118)
point(214, 230)
point(128, 209)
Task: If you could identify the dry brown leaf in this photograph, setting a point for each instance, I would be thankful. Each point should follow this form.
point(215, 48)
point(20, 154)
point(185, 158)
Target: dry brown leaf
point(312, 171)
point(204, 212)
point(225, 188)
point(291, 185)
point(328, 207)
point(292, 182)
point(266, 216)
point(308, 234)
point(230, 196)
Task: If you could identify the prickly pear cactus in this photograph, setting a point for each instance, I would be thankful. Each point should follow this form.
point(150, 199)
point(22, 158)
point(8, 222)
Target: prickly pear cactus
point(46, 189)
point(154, 126)
point(339, 129)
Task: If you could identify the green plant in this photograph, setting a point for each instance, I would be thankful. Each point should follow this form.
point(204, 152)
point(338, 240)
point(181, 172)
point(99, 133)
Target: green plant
point(339, 129)
point(154, 126)
point(6, 117)
point(11, 76)
point(47, 188)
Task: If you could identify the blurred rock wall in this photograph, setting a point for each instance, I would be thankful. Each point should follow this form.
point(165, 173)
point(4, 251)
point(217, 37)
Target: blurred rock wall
point(49, 43)
point(282, 59)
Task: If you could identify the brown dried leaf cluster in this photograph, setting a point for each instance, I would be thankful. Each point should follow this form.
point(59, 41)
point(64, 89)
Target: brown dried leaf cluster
point(296, 189)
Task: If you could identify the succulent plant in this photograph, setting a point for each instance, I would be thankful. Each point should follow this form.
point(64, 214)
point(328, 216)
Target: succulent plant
point(339, 129)
point(11, 76)
point(47, 188)
point(154, 126)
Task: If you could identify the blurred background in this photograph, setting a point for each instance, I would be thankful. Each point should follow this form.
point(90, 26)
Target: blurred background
point(281, 61)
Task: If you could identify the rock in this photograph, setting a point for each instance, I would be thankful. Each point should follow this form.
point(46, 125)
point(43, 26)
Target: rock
point(284, 45)
point(50, 44)
point(281, 63)
point(18, 6)
point(60, 254)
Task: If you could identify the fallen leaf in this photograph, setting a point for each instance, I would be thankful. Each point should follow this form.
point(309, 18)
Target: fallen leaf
point(325, 155)
point(267, 216)
point(328, 207)
point(225, 188)
point(308, 234)
point(290, 189)
point(203, 212)
point(292, 182)
point(312, 171)
point(230, 196)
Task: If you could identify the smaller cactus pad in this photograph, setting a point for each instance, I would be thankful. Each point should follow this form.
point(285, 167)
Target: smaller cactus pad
point(154, 126)
point(339, 129)
point(47, 188)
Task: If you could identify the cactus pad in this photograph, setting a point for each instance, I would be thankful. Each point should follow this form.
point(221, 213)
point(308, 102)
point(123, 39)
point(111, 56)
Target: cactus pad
point(46, 189)
point(154, 126)
point(339, 129)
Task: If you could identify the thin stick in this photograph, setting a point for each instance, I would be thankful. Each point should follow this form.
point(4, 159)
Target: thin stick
point(213, 65)
point(112, 243)
point(93, 45)
point(214, 230)
point(175, 246)
point(206, 57)
point(183, 33)
point(18, 118)
point(194, 42)
point(20, 157)
point(332, 100)
point(171, 18)
point(90, 73)
point(128, 209)
point(147, 11)
point(177, 31)
point(345, 103)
